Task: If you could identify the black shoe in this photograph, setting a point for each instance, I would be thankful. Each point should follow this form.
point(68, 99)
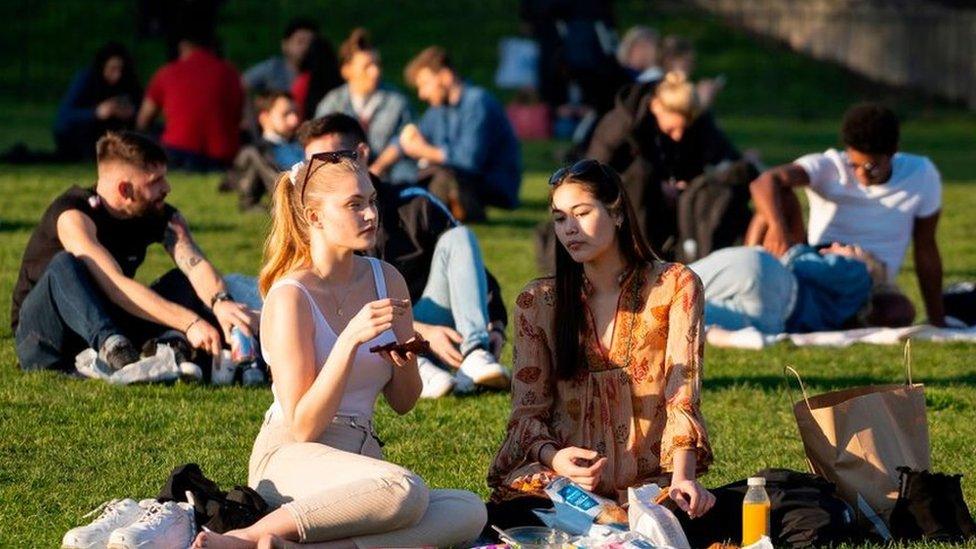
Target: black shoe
point(182, 351)
point(118, 352)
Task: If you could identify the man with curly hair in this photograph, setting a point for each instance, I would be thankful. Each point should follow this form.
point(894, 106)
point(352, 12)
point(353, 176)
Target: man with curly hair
point(867, 194)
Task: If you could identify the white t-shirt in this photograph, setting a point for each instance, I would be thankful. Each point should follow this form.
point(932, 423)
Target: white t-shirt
point(879, 218)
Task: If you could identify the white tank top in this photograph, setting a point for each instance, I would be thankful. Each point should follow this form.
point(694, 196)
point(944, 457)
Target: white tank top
point(369, 374)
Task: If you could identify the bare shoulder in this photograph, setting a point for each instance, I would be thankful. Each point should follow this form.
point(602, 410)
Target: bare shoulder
point(395, 283)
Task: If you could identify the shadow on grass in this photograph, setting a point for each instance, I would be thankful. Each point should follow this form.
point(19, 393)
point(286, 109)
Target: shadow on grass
point(16, 226)
point(817, 384)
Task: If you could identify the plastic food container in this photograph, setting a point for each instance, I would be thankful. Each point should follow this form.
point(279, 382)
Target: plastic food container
point(536, 537)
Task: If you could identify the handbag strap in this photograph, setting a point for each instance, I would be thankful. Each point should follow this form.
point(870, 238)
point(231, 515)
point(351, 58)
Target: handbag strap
point(806, 398)
point(908, 361)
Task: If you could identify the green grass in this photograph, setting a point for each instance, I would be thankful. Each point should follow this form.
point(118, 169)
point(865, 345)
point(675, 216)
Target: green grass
point(67, 445)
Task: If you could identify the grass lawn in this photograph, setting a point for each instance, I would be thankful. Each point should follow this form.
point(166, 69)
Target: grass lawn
point(67, 445)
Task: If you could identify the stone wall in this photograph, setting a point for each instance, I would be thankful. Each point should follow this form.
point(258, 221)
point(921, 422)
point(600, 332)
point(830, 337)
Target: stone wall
point(921, 44)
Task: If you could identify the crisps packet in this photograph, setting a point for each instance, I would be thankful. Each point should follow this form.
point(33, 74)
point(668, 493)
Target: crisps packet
point(578, 511)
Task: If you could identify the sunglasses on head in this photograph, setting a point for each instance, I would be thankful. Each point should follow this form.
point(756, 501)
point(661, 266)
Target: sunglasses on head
point(330, 157)
point(579, 169)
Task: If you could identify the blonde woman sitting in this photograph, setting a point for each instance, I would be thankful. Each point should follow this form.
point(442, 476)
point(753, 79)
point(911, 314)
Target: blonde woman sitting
point(317, 455)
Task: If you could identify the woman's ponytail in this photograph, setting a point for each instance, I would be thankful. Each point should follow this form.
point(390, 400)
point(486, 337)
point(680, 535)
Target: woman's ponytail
point(287, 246)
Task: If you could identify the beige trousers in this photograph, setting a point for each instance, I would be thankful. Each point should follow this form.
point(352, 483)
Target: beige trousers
point(339, 487)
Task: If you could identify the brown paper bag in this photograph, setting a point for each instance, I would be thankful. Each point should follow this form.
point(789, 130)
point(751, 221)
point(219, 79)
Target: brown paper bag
point(857, 438)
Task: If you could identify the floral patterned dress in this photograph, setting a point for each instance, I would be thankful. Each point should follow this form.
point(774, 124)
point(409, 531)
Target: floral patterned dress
point(636, 404)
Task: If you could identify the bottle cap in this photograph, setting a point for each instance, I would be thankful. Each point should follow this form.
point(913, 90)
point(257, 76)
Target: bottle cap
point(756, 481)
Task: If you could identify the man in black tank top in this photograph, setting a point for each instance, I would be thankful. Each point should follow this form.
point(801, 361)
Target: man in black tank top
point(76, 288)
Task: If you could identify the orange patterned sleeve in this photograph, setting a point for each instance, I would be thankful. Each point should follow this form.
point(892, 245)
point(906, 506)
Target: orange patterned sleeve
point(685, 428)
point(532, 384)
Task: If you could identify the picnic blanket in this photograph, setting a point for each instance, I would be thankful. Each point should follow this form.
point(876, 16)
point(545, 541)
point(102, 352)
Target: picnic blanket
point(751, 338)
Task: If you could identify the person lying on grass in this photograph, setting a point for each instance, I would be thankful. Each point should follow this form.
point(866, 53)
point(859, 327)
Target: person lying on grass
point(607, 374)
point(317, 457)
point(76, 287)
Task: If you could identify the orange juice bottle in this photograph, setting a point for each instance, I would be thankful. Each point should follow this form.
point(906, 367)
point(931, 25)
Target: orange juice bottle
point(755, 512)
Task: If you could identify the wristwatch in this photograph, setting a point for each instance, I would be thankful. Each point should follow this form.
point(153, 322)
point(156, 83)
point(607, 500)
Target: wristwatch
point(218, 297)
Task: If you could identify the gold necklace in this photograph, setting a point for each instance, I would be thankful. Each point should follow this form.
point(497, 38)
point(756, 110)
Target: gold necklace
point(338, 303)
point(331, 295)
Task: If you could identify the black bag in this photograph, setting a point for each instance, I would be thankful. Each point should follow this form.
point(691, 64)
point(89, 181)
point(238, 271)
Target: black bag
point(713, 212)
point(959, 301)
point(804, 512)
point(217, 510)
point(930, 506)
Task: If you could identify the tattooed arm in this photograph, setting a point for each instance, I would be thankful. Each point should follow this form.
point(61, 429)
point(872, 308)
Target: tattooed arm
point(204, 277)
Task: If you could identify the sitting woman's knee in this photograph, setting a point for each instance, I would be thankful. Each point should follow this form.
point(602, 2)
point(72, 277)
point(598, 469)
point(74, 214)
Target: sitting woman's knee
point(409, 497)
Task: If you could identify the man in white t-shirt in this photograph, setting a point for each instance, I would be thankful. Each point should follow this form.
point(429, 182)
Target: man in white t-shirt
point(868, 195)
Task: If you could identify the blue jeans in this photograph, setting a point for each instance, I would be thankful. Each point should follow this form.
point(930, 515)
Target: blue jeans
point(66, 312)
point(746, 286)
point(456, 294)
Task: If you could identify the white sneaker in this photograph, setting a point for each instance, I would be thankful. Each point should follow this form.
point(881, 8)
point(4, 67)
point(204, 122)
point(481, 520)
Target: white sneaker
point(437, 382)
point(115, 514)
point(483, 369)
point(161, 526)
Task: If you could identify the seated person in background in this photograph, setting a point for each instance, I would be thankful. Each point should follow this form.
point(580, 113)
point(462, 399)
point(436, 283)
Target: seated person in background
point(200, 96)
point(639, 53)
point(868, 195)
point(257, 166)
point(278, 73)
point(678, 54)
point(102, 97)
point(608, 362)
point(457, 303)
point(808, 290)
point(382, 111)
point(659, 139)
point(76, 286)
point(467, 151)
point(318, 75)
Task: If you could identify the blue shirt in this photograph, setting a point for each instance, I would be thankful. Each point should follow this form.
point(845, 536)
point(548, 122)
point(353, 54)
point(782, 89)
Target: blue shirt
point(476, 137)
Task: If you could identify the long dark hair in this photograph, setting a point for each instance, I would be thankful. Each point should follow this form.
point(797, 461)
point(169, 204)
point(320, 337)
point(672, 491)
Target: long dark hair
point(604, 184)
point(128, 84)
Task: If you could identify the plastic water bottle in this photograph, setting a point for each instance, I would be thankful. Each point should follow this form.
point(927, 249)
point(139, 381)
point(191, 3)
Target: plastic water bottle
point(755, 512)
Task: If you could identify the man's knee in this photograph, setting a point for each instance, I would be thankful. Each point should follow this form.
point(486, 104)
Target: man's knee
point(64, 263)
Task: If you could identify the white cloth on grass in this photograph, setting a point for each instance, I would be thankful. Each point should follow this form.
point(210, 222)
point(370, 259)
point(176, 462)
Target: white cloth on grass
point(752, 339)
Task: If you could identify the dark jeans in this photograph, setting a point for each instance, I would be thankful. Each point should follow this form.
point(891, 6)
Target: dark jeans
point(193, 162)
point(66, 312)
point(253, 176)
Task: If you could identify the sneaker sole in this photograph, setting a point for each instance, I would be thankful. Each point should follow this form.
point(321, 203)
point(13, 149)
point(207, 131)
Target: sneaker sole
point(493, 381)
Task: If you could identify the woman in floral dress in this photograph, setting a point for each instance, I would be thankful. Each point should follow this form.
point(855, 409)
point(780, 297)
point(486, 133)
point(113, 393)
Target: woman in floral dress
point(608, 362)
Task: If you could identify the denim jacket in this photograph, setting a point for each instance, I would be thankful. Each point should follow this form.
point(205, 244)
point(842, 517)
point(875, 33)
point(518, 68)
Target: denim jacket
point(831, 289)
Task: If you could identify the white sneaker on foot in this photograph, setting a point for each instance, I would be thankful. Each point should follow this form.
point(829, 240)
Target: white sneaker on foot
point(483, 369)
point(115, 514)
point(437, 382)
point(161, 526)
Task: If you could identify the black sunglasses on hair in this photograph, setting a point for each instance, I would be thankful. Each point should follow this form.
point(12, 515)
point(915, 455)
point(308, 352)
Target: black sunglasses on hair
point(580, 168)
point(330, 157)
